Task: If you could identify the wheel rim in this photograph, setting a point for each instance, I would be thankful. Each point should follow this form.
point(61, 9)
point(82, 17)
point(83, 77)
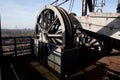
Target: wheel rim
point(51, 27)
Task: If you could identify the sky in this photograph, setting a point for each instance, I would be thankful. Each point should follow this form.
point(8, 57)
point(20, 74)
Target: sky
point(21, 14)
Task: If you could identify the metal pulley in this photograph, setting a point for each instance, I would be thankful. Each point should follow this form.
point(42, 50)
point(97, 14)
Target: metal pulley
point(54, 27)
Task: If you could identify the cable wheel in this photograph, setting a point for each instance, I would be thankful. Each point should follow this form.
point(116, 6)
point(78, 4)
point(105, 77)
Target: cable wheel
point(54, 28)
point(90, 43)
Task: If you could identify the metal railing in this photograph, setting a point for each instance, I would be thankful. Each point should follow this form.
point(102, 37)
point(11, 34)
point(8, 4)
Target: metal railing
point(17, 46)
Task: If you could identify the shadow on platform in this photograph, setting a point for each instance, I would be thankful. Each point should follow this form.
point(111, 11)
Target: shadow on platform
point(20, 69)
point(28, 68)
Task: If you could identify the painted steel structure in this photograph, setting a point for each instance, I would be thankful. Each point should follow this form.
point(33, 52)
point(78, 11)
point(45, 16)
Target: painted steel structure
point(59, 35)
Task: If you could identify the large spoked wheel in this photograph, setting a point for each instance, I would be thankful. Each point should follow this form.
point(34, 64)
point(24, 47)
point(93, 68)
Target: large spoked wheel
point(54, 28)
point(97, 45)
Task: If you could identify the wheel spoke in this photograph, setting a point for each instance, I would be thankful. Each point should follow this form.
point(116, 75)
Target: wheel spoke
point(54, 35)
point(40, 27)
point(94, 42)
point(46, 18)
point(59, 40)
point(59, 31)
point(52, 24)
point(54, 41)
point(42, 19)
point(90, 39)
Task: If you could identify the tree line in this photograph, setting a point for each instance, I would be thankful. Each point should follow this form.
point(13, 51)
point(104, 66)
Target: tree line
point(17, 32)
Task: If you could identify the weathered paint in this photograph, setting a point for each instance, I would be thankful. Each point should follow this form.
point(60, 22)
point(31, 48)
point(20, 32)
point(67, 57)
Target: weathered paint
point(103, 23)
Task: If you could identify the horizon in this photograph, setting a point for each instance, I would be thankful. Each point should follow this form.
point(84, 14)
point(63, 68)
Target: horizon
point(20, 14)
point(17, 29)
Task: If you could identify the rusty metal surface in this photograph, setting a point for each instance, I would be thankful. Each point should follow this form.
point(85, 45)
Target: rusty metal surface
point(112, 61)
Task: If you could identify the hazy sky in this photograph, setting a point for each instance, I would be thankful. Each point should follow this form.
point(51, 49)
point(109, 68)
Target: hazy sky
point(22, 13)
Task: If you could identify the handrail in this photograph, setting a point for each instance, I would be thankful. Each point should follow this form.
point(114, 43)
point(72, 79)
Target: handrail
point(15, 45)
point(17, 37)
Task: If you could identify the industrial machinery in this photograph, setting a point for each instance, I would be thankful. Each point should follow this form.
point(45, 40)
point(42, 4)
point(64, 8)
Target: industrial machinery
point(59, 35)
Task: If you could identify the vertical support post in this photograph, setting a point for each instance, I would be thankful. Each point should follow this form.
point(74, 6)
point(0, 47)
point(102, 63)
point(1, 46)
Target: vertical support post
point(45, 54)
point(84, 7)
point(90, 5)
point(93, 5)
point(32, 46)
point(15, 46)
point(62, 74)
point(118, 7)
point(1, 54)
point(40, 52)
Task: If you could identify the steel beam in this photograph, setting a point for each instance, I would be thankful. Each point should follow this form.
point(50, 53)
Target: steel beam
point(84, 7)
point(118, 7)
point(90, 5)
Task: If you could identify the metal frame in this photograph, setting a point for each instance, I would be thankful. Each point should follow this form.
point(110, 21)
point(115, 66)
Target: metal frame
point(54, 27)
